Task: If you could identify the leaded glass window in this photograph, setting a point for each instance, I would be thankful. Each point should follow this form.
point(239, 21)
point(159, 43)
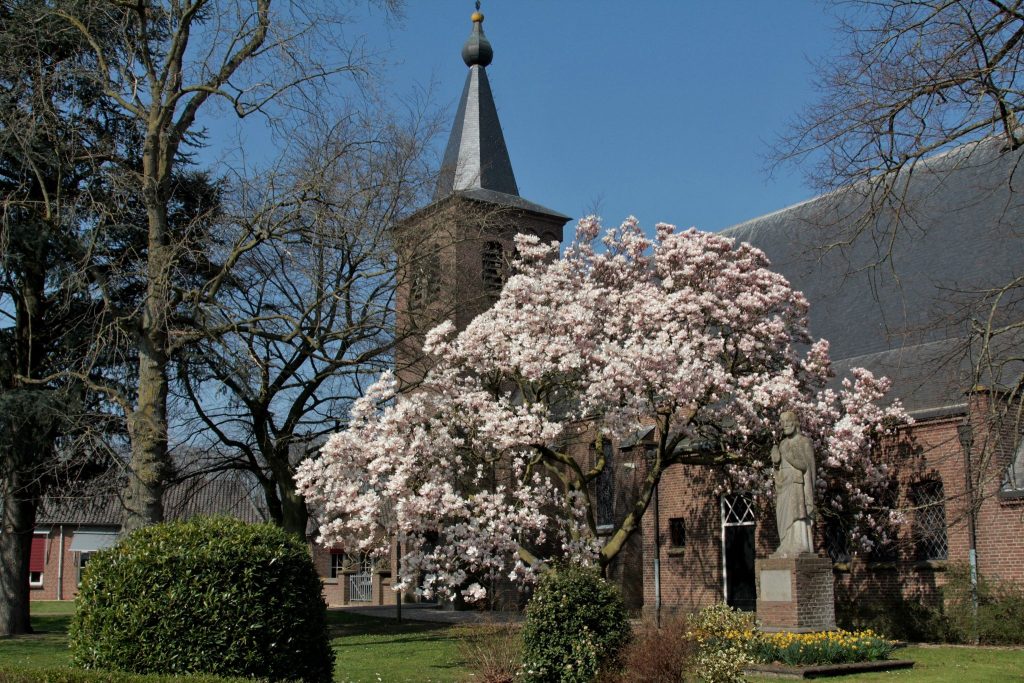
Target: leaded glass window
point(930, 521)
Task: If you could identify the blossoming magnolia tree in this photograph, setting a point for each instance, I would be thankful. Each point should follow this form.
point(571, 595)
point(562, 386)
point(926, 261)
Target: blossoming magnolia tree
point(687, 332)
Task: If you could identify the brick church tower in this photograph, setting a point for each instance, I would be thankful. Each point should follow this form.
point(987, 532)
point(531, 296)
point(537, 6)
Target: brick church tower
point(454, 253)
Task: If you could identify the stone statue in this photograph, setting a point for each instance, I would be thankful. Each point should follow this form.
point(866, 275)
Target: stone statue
point(793, 458)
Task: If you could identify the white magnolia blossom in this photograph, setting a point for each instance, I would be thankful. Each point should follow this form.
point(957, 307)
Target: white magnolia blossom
point(688, 332)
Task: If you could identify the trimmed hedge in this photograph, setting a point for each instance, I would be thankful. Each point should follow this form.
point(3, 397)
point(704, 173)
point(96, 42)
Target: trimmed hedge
point(575, 624)
point(11, 674)
point(210, 595)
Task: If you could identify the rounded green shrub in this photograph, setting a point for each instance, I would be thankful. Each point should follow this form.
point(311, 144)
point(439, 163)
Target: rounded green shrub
point(212, 596)
point(724, 638)
point(575, 624)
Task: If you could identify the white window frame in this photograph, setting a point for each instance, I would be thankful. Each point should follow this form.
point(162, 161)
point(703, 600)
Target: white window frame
point(80, 565)
point(1014, 476)
point(35, 583)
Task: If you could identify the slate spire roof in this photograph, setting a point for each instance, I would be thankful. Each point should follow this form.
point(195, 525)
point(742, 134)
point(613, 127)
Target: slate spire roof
point(476, 164)
point(476, 157)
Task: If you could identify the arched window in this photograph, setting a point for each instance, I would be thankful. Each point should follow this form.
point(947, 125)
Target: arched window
point(426, 280)
point(739, 525)
point(493, 267)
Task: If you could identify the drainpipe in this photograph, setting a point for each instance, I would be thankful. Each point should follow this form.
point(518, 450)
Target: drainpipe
point(395, 577)
point(657, 548)
point(657, 561)
point(60, 566)
point(965, 434)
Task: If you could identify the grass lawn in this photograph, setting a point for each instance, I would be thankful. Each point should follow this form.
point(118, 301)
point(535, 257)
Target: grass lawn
point(945, 663)
point(49, 645)
point(368, 649)
point(371, 650)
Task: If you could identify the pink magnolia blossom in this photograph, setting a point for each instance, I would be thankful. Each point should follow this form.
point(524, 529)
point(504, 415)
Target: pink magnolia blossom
point(687, 332)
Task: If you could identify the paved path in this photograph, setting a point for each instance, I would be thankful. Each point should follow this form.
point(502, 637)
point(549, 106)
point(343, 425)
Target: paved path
point(428, 612)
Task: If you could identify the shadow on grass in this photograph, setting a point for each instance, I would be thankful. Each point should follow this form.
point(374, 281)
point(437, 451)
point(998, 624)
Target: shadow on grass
point(64, 608)
point(344, 624)
point(362, 640)
point(389, 634)
point(371, 648)
point(54, 625)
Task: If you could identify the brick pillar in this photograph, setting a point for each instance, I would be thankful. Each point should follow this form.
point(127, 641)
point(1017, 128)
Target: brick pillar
point(385, 596)
point(346, 588)
point(795, 594)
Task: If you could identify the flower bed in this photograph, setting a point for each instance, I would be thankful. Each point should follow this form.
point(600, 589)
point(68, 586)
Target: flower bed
point(728, 642)
point(809, 649)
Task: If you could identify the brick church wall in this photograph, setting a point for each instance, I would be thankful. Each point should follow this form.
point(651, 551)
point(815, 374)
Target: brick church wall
point(1000, 513)
point(691, 576)
point(930, 450)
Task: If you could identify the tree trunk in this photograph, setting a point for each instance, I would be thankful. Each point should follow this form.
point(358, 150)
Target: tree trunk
point(295, 517)
point(150, 463)
point(272, 500)
point(19, 485)
point(148, 468)
point(19, 516)
point(290, 513)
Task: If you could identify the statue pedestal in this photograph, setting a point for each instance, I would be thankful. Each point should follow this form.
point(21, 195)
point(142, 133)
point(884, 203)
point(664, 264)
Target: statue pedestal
point(795, 593)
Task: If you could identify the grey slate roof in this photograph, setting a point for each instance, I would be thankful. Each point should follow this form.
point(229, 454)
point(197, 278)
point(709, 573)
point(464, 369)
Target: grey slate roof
point(99, 504)
point(959, 230)
point(510, 201)
point(929, 378)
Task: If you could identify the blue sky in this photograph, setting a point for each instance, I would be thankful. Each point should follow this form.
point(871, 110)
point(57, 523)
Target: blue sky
point(664, 109)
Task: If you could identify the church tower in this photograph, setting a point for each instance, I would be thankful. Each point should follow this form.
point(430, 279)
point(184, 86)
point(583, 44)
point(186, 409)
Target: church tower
point(454, 253)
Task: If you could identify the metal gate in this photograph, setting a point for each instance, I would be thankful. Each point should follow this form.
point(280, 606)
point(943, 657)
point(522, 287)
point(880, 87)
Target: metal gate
point(360, 584)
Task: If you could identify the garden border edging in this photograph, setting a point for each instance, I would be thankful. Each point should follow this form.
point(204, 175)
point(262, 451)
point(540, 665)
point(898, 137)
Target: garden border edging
point(826, 670)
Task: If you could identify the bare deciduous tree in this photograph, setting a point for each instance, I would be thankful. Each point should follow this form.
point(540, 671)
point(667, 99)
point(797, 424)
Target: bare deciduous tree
point(918, 77)
point(171, 60)
point(930, 88)
point(308, 316)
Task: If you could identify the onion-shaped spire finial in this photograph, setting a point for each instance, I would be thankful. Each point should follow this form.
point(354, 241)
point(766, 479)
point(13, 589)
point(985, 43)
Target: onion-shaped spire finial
point(477, 50)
